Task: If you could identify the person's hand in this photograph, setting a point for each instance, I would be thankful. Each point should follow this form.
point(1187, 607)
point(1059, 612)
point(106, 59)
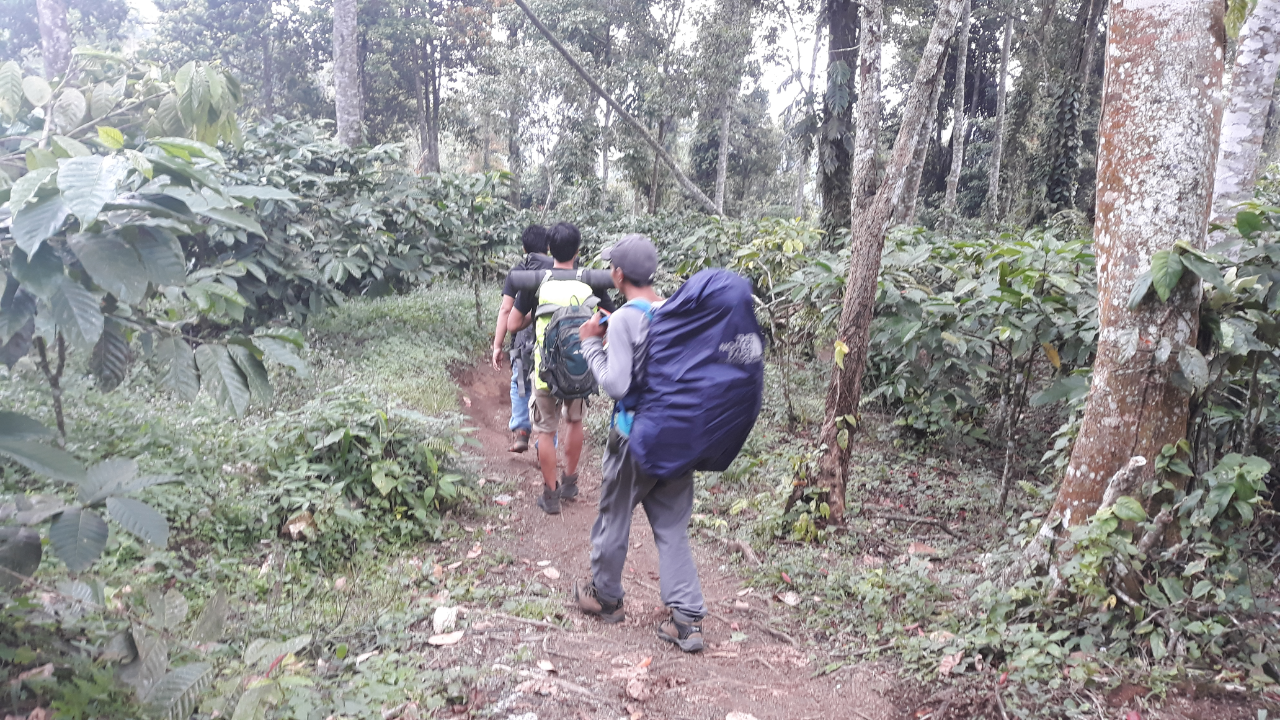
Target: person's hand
point(592, 328)
point(496, 359)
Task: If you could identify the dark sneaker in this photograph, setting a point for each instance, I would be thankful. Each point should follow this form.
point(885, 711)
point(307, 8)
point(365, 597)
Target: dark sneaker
point(550, 501)
point(687, 637)
point(568, 487)
point(590, 603)
point(520, 443)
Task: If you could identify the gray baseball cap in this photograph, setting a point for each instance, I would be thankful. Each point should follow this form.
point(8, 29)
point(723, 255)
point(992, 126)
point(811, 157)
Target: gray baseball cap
point(636, 256)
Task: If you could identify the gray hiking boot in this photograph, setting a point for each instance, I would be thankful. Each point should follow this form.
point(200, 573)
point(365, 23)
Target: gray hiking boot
point(590, 603)
point(568, 486)
point(687, 637)
point(550, 501)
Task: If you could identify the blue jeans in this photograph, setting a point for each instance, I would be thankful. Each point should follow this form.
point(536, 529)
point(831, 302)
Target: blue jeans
point(519, 403)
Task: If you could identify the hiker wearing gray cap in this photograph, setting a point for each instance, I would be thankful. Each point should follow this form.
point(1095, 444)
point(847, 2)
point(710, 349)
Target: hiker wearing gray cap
point(668, 503)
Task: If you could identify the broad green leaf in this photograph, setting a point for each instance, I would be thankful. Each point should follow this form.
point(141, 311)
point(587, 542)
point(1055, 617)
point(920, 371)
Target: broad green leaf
point(38, 158)
point(175, 696)
point(1127, 508)
point(104, 479)
point(1206, 270)
point(1194, 367)
point(16, 426)
point(1248, 223)
point(254, 372)
point(78, 537)
point(111, 358)
point(222, 379)
point(69, 110)
point(105, 98)
point(37, 90)
point(227, 216)
point(113, 264)
point(140, 519)
point(152, 661)
point(254, 702)
point(178, 368)
point(293, 336)
point(841, 350)
point(140, 163)
point(259, 192)
point(168, 116)
point(110, 137)
point(65, 147)
point(261, 652)
point(1201, 589)
point(208, 627)
point(1166, 271)
point(43, 459)
point(161, 253)
point(186, 149)
point(20, 553)
point(26, 188)
point(38, 221)
point(41, 273)
point(78, 314)
point(1072, 386)
point(87, 183)
point(281, 352)
point(10, 89)
point(143, 482)
point(167, 610)
point(174, 166)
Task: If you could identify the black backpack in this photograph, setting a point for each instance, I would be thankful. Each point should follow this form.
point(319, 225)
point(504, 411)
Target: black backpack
point(563, 368)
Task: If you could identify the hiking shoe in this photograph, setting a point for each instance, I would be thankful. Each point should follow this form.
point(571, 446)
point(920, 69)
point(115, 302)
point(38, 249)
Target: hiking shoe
point(568, 487)
point(590, 603)
point(521, 442)
point(550, 501)
point(687, 637)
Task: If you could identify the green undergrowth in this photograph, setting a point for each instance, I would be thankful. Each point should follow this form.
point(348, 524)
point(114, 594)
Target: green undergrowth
point(310, 532)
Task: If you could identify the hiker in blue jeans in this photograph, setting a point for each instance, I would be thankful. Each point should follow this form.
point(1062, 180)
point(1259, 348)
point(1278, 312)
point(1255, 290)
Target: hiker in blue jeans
point(667, 503)
point(534, 239)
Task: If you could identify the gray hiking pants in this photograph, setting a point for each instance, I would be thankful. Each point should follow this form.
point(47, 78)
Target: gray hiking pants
point(668, 504)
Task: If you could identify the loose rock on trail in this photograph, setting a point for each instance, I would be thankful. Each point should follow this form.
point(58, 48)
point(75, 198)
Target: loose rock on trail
point(758, 662)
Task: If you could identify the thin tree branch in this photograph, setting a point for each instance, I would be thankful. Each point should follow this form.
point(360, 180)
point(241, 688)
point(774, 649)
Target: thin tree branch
point(683, 179)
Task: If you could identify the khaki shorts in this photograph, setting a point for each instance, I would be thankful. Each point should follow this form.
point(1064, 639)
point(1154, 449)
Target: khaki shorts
point(546, 409)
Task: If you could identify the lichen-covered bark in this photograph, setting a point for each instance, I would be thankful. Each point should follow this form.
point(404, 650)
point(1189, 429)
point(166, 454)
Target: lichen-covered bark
point(959, 121)
point(997, 143)
point(906, 212)
point(869, 225)
point(866, 135)
point(346, 74)
point(835, 158)
point(55, 36)
point(1157, 147)
point(1244, 123)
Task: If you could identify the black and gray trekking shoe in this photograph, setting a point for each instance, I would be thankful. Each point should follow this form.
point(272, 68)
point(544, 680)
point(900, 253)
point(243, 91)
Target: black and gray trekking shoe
point(568, 486)
point(550, 501)
point(590, 603)
point(687, 637)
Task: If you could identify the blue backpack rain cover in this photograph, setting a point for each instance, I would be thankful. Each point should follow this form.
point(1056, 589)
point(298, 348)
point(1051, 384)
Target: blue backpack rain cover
point(703, 378)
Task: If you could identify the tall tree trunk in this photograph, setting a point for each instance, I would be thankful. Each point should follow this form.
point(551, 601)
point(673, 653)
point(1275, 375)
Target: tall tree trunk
point(429, 61)
point(515, 156)
point(959, 120)
point(55, 36)
point(835, 158)
point(604, 146)
point(655, 180)
point(722, 158)
point(1244, 123)
point(1162, 112)
point(997, 143)
point(866, 138)
point(348, 107)
point(906, 212)
point(268, 73)
point(845, 389)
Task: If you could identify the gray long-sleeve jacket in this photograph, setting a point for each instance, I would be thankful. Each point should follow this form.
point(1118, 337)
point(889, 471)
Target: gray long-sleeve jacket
point(615, 366)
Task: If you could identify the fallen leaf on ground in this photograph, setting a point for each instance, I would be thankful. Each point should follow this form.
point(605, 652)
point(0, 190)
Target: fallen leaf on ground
point(365, 656)
point(744, 591)
point(546, 665)
point(786, 578)
point(453, 566)
point(474, 552)
point(437, 572)
point(542, 563)
point(790, 597)
point(1133, 715)
point(447, 638)
point(444, 619)
point(503, 499)
point(636, 713)
point(637, 689)
point(466, 401)
point(949, 663)
point(541, 687)
point(468, 529)
point(741, 605)
point(300, 525)
point(552, 573)
point(645, 662)
point(918, 548)
point(44, 671)
point(739, 716)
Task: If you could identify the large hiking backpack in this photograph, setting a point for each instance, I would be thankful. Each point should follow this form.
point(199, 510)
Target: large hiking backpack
point(562, 366)
point(703, 377)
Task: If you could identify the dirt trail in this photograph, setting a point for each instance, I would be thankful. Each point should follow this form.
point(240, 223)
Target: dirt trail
point(598, 671)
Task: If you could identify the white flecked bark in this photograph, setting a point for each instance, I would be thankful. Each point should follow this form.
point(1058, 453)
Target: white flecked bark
point(1244, 123)
point(1157, 147)
point(959, 121)
point(346, 74)
point(866, 135)
point(55, 36)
